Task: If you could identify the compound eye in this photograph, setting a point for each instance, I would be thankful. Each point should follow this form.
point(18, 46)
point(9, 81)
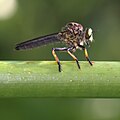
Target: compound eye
point(88, 33)
point(87, 36)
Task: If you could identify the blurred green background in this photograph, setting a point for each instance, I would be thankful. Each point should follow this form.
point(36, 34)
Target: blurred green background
point(25, 19)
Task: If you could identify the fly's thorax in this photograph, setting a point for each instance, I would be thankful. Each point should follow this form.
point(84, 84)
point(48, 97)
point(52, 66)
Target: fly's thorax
point(71, 33)
point(73, 29)
point(74, 35)
point(69, 38)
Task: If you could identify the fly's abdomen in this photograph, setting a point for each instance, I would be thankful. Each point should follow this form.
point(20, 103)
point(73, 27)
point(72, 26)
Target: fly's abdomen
point(36, 42)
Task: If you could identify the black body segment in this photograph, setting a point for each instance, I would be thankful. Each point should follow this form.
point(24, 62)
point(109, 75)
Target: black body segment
point(39, 41)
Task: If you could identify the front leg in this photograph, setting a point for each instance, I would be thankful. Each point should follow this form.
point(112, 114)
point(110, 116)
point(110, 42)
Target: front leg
point(86, 54)
point(87, 57)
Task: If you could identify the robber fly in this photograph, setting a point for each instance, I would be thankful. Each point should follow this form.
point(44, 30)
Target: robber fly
point(73, 35)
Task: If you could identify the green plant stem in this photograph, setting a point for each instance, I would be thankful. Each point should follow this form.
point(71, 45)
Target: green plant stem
point(42, 79)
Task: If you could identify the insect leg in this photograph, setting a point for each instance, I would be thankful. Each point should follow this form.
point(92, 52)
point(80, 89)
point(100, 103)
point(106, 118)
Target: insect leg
point(87, 57)
point(86, 54)
point(73, 56)
point(56, 57)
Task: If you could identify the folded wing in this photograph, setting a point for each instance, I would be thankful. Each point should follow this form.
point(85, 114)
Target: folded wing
point(39, 41)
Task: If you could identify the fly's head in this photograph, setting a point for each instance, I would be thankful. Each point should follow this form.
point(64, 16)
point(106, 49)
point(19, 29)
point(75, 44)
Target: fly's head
point(88, 36)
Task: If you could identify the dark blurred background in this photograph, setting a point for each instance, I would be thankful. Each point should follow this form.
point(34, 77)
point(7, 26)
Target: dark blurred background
point(25, 19)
